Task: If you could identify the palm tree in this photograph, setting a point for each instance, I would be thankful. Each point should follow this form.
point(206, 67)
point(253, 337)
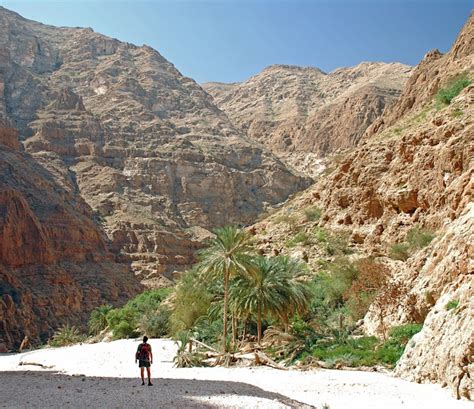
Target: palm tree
point(229, 254)
point(275, 289)
point(98, 319)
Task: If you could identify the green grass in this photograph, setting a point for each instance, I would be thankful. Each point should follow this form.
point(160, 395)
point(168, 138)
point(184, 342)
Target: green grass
point(452, 305)
point(452, 90)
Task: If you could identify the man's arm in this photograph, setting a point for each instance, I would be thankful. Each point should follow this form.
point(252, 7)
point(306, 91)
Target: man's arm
point(151, 356)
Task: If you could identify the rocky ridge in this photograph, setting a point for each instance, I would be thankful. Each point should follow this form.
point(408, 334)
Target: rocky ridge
point(415, 169)
point(302, 109)
point(144, 146)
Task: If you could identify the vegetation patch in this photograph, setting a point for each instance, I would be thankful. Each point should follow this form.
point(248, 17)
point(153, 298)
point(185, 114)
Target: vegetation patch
point(445, 95)
point(313, 214)
point(416, 239)
point(452, 305)
point(66, 335)
point(299, 238)
point(143, 313)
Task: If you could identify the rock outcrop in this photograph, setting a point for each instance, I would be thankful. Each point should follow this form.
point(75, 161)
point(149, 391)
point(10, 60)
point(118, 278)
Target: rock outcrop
point(54, 262)
point(415, 169)
point(301, 110)
point(144, 146)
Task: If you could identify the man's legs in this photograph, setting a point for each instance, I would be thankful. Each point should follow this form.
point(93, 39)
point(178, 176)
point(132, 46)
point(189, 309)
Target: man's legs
point(148, 372)
point(142, 373)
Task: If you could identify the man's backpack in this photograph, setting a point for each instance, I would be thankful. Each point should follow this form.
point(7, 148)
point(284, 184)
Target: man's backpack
point(143, 352)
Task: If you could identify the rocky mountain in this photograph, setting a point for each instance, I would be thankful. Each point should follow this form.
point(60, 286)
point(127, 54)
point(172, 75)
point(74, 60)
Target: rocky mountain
point(144, 146)
point(413, 170)
point(294, 109)
point(120, 159)
point(55, 265)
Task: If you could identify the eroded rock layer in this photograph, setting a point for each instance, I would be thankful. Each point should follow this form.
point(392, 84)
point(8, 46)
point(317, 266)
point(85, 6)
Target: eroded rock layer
point(144, 146)
point(55, 266)
point(304, 110)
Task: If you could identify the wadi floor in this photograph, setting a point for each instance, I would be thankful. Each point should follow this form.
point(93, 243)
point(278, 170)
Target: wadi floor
point(104, 375)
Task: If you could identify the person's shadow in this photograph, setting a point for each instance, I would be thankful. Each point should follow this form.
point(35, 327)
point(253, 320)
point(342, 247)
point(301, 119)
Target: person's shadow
point(52, 390)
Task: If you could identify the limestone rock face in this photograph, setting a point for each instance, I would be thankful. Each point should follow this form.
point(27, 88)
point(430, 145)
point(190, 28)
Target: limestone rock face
point(296, 109)
point(415, 170)
point(144, 146)
point(443, 350)
point(434, 72)
point(54, 262)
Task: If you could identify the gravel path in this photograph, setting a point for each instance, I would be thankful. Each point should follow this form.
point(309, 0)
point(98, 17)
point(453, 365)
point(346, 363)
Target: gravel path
point(104, 375)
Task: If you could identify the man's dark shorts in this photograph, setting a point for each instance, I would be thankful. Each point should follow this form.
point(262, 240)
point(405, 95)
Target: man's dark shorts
point(143, 364)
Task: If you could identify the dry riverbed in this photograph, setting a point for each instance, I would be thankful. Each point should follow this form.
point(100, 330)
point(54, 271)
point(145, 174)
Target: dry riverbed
point(104, 375)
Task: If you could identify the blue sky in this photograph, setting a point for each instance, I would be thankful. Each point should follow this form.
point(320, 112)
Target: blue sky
point(230, 40)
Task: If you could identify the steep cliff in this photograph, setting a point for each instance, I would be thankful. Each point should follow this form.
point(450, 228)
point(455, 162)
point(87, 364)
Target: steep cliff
point(414, 171)
point(144, 146)
point(54, 262)
point(296, 109)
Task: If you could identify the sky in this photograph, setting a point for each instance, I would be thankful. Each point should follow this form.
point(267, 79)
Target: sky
point(231, 40)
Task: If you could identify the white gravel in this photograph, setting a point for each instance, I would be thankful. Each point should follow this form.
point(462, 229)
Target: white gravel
point(259, 387)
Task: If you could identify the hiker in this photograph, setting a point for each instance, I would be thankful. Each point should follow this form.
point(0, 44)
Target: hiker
point(145, 359)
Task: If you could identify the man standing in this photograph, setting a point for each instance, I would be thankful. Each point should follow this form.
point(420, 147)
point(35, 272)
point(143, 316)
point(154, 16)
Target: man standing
point(145, 359)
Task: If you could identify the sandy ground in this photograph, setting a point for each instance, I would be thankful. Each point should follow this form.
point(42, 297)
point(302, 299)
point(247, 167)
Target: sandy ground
point(104, 375)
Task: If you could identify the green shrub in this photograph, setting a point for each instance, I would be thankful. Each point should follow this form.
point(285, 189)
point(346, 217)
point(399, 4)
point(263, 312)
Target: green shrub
point(98, 319)
point(123, 322)
point(399, 251)
point(457, 113)
point(313, 214)
point(418, 238)
point(392, 349)
point(447, 94)
point(452, 305)
point(156, 324)
point(334, 244)
point(66, 335)
point(301, 237)
point(351, 352)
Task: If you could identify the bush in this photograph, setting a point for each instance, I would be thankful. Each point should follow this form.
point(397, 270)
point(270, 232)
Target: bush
point(301, 237)
point(418, 238)
point(399, 251)
point(66, 335)
point(334, 244)
point(123, 322)
point(313, 214)
point(127, 320)
point(156, 324)
point(392, 349)
point(352, 352)
point(452, 305)
point(98, 319)
point(289, 220)
point(447, 94)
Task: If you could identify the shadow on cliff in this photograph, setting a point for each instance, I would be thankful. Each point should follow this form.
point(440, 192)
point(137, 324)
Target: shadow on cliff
point(48, 389)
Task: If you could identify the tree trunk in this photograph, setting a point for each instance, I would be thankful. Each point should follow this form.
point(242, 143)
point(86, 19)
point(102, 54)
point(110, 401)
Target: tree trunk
point(259, 324)
point(226, 302)
point(234, 329)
